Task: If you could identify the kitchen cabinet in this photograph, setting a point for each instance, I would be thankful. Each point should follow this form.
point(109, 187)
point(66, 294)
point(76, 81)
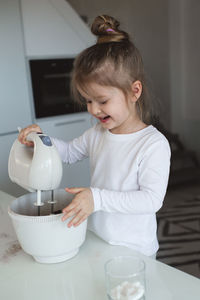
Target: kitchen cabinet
point(68, 128)
point(14, 94)
point(53, 28)
point(6, 184)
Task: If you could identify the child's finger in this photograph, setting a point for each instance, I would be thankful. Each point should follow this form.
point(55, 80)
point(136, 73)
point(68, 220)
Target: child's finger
point(69, 207)
point(29, 143)
point(71, 213)
point(74, 190)
point(81, 220)
point(76, 219)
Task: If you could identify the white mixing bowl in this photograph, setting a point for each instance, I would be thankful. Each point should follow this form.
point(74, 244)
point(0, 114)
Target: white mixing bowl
point(46, 237)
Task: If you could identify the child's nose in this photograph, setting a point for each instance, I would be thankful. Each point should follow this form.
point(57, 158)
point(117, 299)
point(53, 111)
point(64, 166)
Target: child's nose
point(95, 109)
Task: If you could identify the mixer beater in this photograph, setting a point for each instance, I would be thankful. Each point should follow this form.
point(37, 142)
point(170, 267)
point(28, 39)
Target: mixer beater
point(39, 202)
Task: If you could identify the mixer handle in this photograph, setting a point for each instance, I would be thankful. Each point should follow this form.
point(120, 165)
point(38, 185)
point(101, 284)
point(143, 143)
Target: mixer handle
point(36, 137)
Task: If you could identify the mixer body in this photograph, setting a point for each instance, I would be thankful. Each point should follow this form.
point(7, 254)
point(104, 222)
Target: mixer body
point(35, 168)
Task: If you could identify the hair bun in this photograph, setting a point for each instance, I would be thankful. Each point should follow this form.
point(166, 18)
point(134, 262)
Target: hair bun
point(107, 30)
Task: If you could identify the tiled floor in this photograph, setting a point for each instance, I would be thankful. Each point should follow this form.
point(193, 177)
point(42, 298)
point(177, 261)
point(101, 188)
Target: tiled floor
point(179, 229)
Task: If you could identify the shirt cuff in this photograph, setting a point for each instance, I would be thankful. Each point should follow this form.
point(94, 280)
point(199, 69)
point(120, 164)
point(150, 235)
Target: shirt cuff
point(97, 199)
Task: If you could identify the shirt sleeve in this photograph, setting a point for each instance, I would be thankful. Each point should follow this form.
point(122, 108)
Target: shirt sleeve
point(73, 151)
point(153, 174)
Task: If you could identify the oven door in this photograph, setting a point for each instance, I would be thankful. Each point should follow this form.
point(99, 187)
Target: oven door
point(51, 87)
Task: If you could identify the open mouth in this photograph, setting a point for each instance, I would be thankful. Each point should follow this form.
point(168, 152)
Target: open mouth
point(105, 119)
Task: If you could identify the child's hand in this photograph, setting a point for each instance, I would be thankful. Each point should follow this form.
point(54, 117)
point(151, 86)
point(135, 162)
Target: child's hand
point(25, 131)
point(81, 206)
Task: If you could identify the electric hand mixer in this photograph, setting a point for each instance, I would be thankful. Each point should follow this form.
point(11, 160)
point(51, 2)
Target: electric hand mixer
point(37, 168)
point(41, 231)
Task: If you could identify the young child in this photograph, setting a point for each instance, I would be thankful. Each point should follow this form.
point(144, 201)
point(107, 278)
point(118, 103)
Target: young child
point(129, 158)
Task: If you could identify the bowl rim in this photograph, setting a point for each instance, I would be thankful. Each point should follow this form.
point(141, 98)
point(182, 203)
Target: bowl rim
point(46, 218)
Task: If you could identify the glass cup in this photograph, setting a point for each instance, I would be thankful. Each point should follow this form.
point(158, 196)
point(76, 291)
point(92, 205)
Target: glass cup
point(125, 278)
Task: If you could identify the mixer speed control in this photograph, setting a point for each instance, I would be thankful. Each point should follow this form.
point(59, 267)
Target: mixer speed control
point(46, 140)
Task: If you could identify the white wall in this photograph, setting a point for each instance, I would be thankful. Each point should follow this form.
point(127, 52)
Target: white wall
point(185, 71)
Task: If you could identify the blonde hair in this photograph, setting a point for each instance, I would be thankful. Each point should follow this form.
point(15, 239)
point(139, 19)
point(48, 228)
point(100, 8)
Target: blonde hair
point(112, 61)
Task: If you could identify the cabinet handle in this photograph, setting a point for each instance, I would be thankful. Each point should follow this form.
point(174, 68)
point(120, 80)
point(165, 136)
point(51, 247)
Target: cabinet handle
point(9, 133)
point(69, 122)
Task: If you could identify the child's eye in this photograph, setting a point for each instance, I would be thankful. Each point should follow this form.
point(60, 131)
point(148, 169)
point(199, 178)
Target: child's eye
point(104, 102)
point(88, 101)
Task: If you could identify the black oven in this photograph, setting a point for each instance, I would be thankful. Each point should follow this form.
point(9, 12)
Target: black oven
point(51, 87)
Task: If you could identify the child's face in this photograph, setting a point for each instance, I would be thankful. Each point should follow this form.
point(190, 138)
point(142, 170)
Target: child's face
point(109, 105)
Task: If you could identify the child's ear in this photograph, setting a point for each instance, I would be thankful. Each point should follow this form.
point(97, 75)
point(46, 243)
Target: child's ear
point(136, 90)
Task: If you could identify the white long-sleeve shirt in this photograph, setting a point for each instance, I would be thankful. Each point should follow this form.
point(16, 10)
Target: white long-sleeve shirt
point(129, 176)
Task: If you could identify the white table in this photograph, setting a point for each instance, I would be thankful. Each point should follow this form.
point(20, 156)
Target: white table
point(82, 277)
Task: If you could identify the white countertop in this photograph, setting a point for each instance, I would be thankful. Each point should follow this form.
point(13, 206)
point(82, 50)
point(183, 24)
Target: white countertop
point(82, 277)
